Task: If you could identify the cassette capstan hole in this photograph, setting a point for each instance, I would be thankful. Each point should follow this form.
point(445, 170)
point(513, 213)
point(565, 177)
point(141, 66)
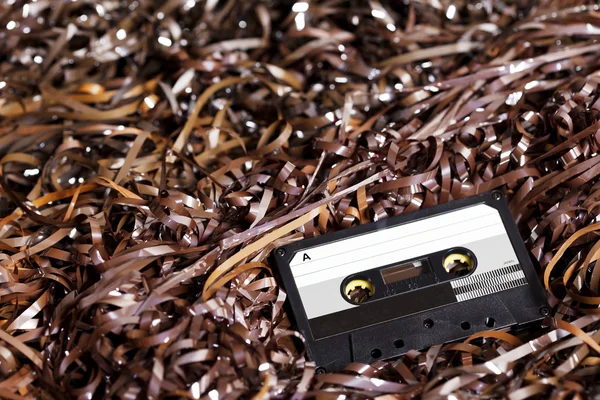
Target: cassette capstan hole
point(358, 290)
point(459, 262)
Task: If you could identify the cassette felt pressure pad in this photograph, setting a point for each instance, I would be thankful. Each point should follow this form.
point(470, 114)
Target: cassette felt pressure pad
point(408, 282)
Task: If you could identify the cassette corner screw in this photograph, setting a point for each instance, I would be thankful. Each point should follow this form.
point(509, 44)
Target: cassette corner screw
point(497, 195)
point(320, 370)
point(280, 252)
point(428, 324)
point(545, 311)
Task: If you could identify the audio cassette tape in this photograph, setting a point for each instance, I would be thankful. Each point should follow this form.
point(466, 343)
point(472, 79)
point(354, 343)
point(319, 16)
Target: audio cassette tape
point(407, 282)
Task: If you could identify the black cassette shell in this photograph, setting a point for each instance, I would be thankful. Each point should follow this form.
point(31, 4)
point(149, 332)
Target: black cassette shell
point(425, 306)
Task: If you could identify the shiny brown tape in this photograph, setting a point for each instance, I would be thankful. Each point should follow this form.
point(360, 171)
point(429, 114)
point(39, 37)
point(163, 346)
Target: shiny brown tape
point(153, 154)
